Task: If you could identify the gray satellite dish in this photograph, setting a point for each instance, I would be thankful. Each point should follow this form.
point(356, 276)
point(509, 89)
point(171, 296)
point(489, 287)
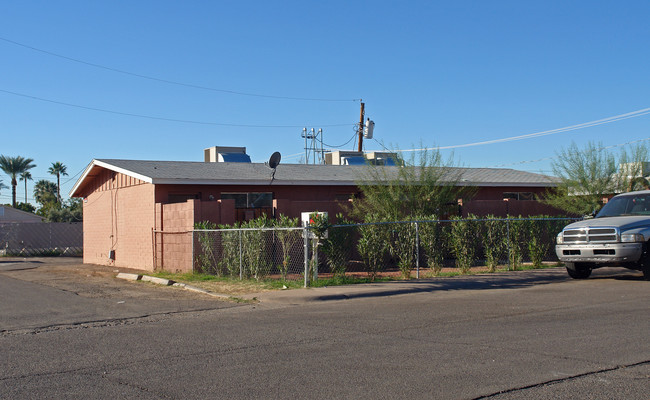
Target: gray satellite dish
point(274, 161)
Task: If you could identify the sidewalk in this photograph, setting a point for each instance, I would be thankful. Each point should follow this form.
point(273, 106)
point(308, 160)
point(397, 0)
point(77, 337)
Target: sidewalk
point(502, 280)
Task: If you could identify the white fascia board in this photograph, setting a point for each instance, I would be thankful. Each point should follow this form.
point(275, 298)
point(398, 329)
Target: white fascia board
point(240, 182)
point(97, 163)
point(509, 184)
point(124, 171)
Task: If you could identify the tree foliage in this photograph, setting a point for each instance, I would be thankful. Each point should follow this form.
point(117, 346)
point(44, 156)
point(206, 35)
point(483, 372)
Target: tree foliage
point(427, 184)
point(58, 169)
point(587, 175)
point(14, 166)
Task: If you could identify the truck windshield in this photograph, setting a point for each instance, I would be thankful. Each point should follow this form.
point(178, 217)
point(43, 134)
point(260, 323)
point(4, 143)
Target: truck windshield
point(626, 205)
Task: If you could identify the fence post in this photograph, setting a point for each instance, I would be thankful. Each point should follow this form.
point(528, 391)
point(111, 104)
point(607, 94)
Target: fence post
point(508, 237)
point(306, 254)
point(193, 254)
point(417, 251)
point(241, 271)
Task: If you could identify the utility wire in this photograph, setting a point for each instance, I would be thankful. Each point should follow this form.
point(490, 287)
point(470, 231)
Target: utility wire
point(608, 120)
point(160, 118)
point(339, 146)
point(174, 82)
point(553, 157)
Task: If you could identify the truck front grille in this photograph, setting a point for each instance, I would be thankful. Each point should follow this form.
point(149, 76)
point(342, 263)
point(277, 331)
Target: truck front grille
point(588, 235)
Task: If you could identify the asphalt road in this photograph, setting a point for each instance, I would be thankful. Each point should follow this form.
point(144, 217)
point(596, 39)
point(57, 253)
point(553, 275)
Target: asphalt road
point(518, 335)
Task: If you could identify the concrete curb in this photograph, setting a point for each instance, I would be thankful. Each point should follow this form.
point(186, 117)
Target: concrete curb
point(199, 290)
point(158, 281)
point(168, 282)
point(129, 277)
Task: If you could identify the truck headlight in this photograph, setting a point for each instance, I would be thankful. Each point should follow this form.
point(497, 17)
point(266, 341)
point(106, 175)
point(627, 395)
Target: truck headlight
point(559, 239)
point(632, 237)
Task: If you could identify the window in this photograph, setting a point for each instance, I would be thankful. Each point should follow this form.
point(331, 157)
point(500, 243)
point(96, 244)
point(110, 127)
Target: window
point(250, 200)
point(519, 195)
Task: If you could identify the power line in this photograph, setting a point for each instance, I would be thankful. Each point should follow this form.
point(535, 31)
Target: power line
point(608, 120)
point(342, 145)
point(174, 82)
point(160, 118)
point(553, 157)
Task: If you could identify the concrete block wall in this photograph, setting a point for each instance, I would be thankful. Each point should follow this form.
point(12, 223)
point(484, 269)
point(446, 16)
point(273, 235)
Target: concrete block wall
point(119, 219)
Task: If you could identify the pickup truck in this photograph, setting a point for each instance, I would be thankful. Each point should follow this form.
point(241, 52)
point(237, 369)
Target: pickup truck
point(617, 236)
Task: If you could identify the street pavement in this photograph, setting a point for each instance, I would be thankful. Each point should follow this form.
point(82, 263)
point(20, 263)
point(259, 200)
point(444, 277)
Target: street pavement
point(527, 334)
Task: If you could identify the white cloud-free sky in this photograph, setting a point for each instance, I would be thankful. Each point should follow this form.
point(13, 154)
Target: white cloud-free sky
point(164, 79)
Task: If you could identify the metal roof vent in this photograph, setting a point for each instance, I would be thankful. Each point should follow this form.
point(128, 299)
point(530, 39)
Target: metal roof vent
point(226, 154)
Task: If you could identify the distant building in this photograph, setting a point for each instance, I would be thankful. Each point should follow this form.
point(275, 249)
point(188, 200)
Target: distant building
point(9, 214)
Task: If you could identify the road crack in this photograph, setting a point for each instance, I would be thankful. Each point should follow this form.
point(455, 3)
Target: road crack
point(560, 380)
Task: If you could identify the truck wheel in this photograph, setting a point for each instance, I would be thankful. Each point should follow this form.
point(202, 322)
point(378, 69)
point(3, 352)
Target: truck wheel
point(646, 273)
point(577, 271)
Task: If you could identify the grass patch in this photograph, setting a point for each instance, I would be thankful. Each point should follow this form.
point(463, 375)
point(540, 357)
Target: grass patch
point(235, 287)
point(349, 280)
point(226, 285)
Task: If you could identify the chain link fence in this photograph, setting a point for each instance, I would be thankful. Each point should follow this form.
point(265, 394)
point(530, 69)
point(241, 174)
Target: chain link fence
point(276, 253)
point(407, 248)
point(41, 239)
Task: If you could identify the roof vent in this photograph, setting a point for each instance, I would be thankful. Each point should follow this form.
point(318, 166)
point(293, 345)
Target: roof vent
point(226, 154)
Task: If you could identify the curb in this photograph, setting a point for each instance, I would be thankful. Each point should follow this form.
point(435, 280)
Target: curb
point(168, 282)
point(129, 277)
point(158, 281)
point(199, 290)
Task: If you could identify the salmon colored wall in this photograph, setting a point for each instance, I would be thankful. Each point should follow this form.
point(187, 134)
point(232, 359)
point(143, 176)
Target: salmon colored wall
point(119, 218)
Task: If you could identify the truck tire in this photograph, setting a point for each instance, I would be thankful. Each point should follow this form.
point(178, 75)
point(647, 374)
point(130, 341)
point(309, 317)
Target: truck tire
point(578, 271)
point(646, 273)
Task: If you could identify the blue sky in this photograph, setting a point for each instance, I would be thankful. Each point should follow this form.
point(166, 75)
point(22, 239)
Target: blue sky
point(431, 72)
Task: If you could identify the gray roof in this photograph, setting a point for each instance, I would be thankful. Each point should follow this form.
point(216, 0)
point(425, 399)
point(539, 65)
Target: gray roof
point(228, 173)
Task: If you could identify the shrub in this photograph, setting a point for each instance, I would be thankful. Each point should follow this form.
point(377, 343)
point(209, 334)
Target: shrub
point(538, 244)
point(336, 246)
point(464, 242)
point(288, 239)
point(516, 239)
point(372, 246)
point(230, 261)
point(253, 248)
point(402, 247)
point(205, 260)
point(432, 239)
point(494, 240)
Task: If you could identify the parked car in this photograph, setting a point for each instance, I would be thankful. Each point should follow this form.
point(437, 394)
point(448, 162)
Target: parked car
point(617, 236)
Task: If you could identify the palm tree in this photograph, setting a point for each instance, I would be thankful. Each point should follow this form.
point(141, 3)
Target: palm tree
point(44, 191)
point(13, 166)
point(58, 169)
point(26, 176)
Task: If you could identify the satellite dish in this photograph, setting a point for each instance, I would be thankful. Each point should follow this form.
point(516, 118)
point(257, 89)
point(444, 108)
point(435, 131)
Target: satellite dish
point(274, 161)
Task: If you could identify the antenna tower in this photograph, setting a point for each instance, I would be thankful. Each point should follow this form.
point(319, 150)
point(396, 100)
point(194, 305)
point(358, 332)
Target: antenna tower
point(313, 140)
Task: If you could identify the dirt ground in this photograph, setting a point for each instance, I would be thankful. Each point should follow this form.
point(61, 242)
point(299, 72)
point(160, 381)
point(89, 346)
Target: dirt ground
point(88, 280)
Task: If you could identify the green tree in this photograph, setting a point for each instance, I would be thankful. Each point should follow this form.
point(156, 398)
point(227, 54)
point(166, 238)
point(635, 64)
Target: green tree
point(44, 192)
point(14, 166)
point(587, 175)
point(27, 207)
point(25, 176)
point(58, 169)
point(427, 184)
point(68, 211)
